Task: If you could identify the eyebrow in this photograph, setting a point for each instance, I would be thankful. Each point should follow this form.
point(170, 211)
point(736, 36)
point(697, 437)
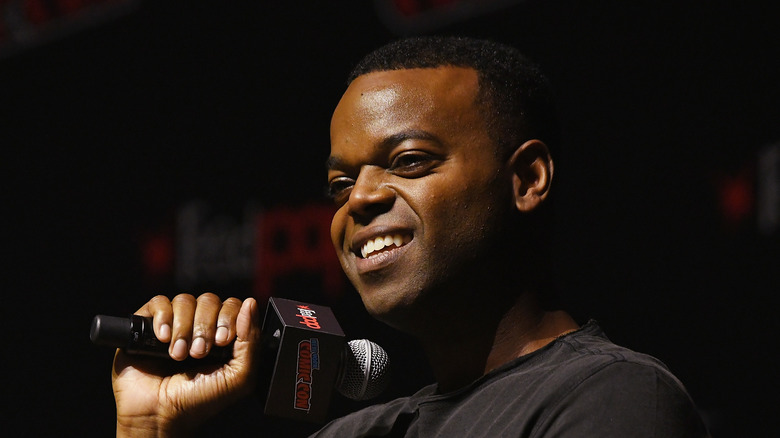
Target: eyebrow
point(336, 162)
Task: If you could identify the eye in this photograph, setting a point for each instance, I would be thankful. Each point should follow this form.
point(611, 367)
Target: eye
point(412, 164)
point(339, 188)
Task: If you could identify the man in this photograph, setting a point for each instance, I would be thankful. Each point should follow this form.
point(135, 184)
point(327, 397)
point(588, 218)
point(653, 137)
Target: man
point(440, 167)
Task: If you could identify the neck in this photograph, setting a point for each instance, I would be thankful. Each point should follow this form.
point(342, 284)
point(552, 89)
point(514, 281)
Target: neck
point(472, 346)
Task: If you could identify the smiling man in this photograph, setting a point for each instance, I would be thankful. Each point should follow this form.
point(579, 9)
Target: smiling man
point(441, 169)
point(427, 203)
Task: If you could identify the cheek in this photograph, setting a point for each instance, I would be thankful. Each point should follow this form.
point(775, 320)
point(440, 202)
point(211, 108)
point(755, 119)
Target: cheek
point(337, 230)
point(448, 212)
point(467, 212)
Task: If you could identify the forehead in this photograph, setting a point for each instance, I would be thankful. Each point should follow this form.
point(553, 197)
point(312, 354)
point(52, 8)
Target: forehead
point(381, 104)
point(420, 86)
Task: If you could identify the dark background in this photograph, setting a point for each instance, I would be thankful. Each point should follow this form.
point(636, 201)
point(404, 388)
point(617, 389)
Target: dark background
point(107, 129)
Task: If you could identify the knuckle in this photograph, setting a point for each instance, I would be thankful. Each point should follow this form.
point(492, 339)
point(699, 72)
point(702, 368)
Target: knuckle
point(183, 298)
point(209, 298)
point(182, 326)
point(159, 300)
point(202, 329)
point(232, 302)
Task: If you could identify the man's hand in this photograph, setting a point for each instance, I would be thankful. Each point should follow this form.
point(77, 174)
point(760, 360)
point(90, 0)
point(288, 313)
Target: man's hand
point(158, 397)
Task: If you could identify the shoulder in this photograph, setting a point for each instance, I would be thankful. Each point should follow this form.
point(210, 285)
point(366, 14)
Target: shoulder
point(587, 361)
point(608, 390)
point(589, 352)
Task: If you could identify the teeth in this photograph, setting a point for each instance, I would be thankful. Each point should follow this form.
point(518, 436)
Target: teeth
point(382, 242)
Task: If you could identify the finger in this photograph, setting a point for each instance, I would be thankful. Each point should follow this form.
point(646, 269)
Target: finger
point(183, 314)
point(204, 324)
point(159, 308)
point(226, 322)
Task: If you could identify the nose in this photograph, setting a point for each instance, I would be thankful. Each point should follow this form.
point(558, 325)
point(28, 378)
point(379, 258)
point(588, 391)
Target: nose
point(370, 196)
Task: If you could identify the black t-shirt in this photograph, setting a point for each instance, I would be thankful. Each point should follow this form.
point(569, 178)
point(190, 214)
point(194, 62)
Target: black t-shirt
point(580, 385)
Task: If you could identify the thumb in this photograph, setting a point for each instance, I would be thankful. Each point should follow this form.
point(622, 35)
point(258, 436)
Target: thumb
point(247, 345)
point(247, 323)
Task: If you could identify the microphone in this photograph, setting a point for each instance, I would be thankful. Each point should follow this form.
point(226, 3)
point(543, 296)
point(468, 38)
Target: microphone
point(364, 371)
point(303, 347)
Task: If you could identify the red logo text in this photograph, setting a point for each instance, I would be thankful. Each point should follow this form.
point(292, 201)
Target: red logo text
point(308, 360)
point(307, 317)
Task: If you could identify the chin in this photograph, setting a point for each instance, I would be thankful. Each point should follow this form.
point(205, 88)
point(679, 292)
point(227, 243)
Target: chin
point(396, 308)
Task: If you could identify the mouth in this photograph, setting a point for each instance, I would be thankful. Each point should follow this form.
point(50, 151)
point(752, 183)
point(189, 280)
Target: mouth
point(381, 244)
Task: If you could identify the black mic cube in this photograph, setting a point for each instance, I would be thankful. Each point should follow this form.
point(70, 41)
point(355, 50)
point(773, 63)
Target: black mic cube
point(308, 344)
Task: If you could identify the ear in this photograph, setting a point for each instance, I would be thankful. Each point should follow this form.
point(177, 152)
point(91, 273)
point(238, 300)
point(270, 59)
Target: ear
point(532, 170)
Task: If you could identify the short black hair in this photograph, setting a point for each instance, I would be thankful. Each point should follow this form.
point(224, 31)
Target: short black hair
point(514, 92)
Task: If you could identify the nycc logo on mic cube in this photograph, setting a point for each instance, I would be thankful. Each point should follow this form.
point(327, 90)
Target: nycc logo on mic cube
point(308, 344)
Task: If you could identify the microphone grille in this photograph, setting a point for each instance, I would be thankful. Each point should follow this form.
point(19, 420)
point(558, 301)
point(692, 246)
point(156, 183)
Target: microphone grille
point(365, 371)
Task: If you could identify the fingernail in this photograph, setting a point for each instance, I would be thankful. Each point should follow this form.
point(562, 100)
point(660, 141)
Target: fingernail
point(222, 334)
point(179, 349)
point(165, 331)
point(198, 346)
